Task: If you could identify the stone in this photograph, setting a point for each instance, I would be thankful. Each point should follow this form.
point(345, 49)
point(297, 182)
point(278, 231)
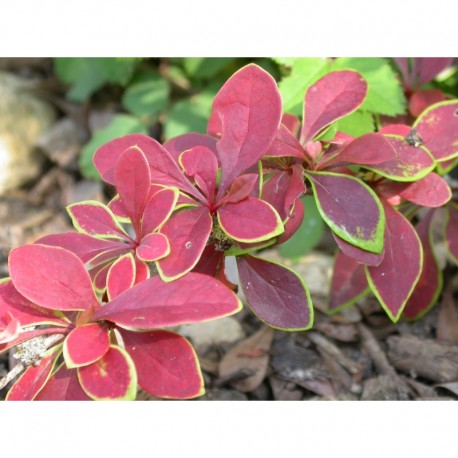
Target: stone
point(204, 335)
point(23, 118)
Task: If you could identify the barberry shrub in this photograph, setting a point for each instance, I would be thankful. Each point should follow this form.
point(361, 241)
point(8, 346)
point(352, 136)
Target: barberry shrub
point(88, 310)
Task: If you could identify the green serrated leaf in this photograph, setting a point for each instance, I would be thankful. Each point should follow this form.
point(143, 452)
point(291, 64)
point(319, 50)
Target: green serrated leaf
point(304, 72)
point(189, 115)
point(148, 95)
point(308, 235)
point(120, 125)
point(356, 124)
point(385, 95)
point(87, 75)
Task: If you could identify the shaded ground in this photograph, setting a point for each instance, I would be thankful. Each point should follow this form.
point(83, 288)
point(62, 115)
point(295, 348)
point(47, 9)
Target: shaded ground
point(357, 354)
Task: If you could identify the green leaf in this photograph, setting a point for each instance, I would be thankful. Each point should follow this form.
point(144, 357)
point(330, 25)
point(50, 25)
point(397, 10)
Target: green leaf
point(87, 75)
point(385, 95)
point(189, 115)
point(119, 126)
point(356, 124)
point(304, 72)
point(309, 233)
point(204, 67)
point(148, 95)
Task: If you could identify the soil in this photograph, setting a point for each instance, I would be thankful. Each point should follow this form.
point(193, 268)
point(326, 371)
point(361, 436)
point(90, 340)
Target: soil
point(357, 354)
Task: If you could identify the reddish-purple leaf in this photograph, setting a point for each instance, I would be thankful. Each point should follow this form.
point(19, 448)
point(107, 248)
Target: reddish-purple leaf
point(430, 191)
point(164, 170)
point(86, 344)
point(276, 294)
point(348, 283)
point(357, 254)
point(424, 69)
point(285, 144)
point(201, 164)
point(112, 377)
point(241, 188)
point(332, 97)
point(9, 327)
point(158, 210)
point(99, 276)
point(350, 208)
point(142, 271)
point(132, 180)
point(396, 129)
point(246, 115)
point(438, 128)
point(155, 304)
point(429, 285)
point(93, 218)
point(389, 155)
point(166, 364)
point(26, 312)
point(51, 277)
point(153, 247)
point(395, 278)
point(294, 221)
point(63, 386)
point(424, 98)
point(175, 146)
point(34, 378)
point(292, 123)
point(121, 276)
point(84, 246)
point(187, 233)
point(451, 231)
point(283, 189)
point(250, 220)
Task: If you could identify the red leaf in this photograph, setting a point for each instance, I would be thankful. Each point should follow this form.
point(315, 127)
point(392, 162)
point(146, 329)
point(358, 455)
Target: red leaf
point(153, 247)
point(395, 278)
point(34, 378)
point(285, 144)
point(164, 170)
point(250, 220)
point(348, 283)
point(121, 276)
point(84, 246)
point(63, 386)
point(28, 335)
point(451, 230)
point(166, 364)
point(357, 254)
point(155, 304)
point(246, 115)
point(425, 69)
point(430, 191)
point(332, 97)
point(438, 128)
point(86, 344)
point(389, 155)
point(112, 377)
point(201, 164)
point(142, 271)
point(175, 146)
point(9, 327)
point(241, 188)
point(292, 123)
point(187, 233)
point(132, 180)
point(429, 285)
point(93, 218)
point(422, 99)
point(51, 277)
point(293, 222)
point(26, 312)
point(276, 294)
point(158, 210)
point(350, 208)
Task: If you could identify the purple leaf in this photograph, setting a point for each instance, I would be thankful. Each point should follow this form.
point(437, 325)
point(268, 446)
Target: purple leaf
point(276, 294)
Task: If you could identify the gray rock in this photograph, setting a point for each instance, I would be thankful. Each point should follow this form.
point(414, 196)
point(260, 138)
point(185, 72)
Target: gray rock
point(23, 118)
